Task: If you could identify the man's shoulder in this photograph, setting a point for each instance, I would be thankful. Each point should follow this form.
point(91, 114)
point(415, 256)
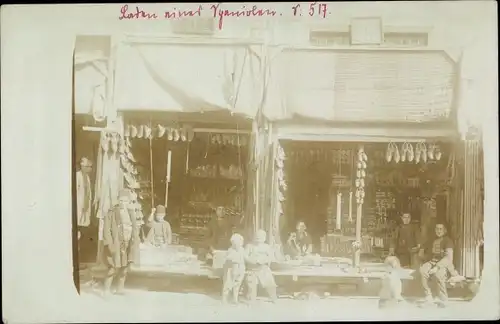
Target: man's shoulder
point(447, 241)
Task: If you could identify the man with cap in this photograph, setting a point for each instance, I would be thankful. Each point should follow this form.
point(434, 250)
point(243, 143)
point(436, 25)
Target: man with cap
point(160, 233)
point(83, 194)
point(121, 241)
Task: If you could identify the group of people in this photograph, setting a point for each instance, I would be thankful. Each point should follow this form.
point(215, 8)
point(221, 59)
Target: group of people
point(122, 228)
point(250, 263)
point(433, 259)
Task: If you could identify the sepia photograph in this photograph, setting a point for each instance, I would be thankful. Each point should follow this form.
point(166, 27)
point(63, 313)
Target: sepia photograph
point(263, 158)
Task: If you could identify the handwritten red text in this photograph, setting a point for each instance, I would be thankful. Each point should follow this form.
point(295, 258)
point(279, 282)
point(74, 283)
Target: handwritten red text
point(314, 9)
point(183, 13)
point(137, 14)
point(220, 14)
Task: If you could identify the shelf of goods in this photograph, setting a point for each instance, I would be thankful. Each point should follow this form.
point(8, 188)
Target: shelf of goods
point(209, 187)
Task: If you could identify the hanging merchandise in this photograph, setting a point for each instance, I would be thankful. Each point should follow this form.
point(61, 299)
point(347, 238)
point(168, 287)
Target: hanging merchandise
point(397, 156)
point(410, 152)
point(282, 186)
point(360, 174)
point(105, 142)
point(133, 131)
point(418, 149)
point(161, 130)
point(389, 153)
point(140, 131)
point(437, 153)
point(405, 152)
point(430, 151)
point(424, 152)
point(148, 133)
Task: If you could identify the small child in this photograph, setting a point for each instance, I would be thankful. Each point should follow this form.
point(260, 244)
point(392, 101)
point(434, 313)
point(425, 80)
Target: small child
point(258, 256)
point(234, 269)
point(160, 233)
point(392, 287)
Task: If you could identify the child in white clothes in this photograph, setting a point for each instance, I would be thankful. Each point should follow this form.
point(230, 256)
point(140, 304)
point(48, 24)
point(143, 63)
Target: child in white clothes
point(392, 287)
point(234, 269)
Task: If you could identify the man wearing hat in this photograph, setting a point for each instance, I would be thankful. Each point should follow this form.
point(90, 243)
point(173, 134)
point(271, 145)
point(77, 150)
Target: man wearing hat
point(121, 242)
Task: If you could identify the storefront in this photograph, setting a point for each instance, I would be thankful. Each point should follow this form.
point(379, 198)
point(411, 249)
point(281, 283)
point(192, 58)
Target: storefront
point(352, 157)
point(181, 133)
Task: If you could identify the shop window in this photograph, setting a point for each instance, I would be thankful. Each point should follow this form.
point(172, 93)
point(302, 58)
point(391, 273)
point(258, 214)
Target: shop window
point(406, 39)
point(194, 26)
point(327, 38)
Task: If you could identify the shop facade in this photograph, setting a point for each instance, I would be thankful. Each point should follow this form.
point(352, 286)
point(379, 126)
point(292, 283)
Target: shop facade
point(376, 138)
point(182, 132)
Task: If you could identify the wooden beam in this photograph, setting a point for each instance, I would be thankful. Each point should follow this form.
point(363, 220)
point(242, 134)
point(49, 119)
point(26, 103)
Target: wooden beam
point(99, 129)
point(361, 134)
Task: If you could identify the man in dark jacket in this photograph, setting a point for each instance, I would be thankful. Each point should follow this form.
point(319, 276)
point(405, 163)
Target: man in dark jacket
point(406, 242)
point(121, 241)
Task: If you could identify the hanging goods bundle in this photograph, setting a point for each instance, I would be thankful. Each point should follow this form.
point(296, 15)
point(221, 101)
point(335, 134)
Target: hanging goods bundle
point(407, 153)
point(279, 161)
point(183, 133)
point(392, 153)
point(360, 175)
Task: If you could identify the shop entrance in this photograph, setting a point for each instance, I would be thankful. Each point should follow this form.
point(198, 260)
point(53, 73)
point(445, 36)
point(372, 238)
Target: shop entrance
point(322, 179)
point(207, 170)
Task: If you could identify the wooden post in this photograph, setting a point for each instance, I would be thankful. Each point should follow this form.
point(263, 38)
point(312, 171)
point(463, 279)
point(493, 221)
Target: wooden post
point(357, 251)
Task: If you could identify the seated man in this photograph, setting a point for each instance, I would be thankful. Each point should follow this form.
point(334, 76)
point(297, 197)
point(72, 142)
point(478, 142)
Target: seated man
point(299, 243)
point(438, 261)
point(406, 242)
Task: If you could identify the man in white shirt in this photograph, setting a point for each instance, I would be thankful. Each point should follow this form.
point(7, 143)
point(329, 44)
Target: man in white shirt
point(83, 194)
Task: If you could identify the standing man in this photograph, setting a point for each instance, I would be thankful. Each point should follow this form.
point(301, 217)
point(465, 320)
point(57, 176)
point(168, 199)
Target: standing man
point(438, 258)
point(83, 195)
point(121, 241)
